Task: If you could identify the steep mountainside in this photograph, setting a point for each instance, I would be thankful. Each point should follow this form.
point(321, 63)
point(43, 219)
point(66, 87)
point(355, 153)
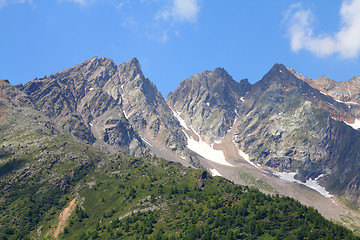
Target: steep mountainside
point(145, 108)
point(285, 126)
point(291, 127)
point(61, 95)
point(343, 92)
point(112, 107)
point(209, 102)
point(53, 186)
point(280, 122)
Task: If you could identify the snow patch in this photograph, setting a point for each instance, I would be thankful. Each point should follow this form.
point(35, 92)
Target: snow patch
point(181, 121)
point(125, 114)
point(353, 103)
point(235, 119)
point(245, 156)
point(287, 176)
point(242, 99)
point(324, 93)
point(206, 151)
point(310, 183)
point(90, 124)
point(147, 142)
point(237, 113)
point(200, 147)
point(91, 89)
point(197, 134)
point(214, 172)
point(355, 125)
point(122, 87)
point(208, 104)
point(280, 71)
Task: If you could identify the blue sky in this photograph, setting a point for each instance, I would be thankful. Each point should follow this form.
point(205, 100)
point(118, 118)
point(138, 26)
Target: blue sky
point(174, 39)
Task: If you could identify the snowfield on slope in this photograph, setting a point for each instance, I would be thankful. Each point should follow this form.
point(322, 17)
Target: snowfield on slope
point(214, 172)
point(311, 183)
point(206, 151)
point(355, 125)
point(245, 156)
point(181, 121)
point(202, 148)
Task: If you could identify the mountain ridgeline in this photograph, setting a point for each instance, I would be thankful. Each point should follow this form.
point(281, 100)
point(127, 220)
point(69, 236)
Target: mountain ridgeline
point(285, 121)
point(62, 134)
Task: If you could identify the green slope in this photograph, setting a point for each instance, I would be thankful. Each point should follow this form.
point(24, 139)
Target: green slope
point(123, 197)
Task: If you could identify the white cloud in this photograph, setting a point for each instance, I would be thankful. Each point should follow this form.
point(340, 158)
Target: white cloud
point(164, 37)
point(180, 10)
point(3, 3)
point(346, 42)
point(81, 2)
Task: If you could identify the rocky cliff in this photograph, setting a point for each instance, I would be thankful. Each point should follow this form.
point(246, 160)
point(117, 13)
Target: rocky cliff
point(285, 123)
point(210, 102)
point(281, 122)
point(115, 108)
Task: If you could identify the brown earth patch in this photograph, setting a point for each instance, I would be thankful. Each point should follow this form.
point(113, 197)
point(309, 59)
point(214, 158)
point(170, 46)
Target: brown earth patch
point(63, 218)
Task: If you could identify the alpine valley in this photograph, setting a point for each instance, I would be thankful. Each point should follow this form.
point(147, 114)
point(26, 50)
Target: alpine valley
point(96, 152)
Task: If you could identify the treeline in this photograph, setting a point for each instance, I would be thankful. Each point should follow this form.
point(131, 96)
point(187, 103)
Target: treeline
point(155, 199)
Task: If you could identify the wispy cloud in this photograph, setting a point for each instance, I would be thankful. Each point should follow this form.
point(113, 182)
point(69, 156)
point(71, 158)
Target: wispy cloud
point(158, 25)
point(4, 3)
point(345, 42)
point(81, 2)
point(180, 10)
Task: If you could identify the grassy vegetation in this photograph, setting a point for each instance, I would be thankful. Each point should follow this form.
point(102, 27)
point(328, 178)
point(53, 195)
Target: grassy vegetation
point(149, 198)
point(253, 181)
point(123, 197)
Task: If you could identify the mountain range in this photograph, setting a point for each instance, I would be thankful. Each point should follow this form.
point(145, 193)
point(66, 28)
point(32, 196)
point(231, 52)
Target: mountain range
point(284, 129)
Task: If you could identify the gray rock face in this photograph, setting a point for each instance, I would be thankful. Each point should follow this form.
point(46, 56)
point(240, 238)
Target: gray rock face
point(285, 121)
point(281, 122)
point(291, 126)
point(144, 106)
point(209, 102)
point(64, 95)
point(112, 107)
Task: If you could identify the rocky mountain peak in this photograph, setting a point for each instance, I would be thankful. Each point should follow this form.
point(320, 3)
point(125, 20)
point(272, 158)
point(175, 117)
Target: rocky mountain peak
point(128, 77)
point(324, 83)
point(245, 85)
point(89, 69)
point(279, 71)
point(324, 79)
point(355, 80)
point(209, 101)
point(132, 66)
point(4, 82)
point(220, 73)
point(279, 77)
